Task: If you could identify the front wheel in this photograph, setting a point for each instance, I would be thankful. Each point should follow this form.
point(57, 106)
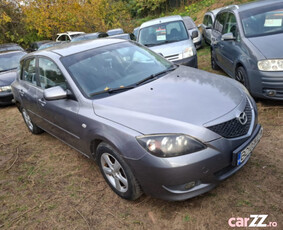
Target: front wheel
point(117, 173)
point(33, 128)
point(242, 77)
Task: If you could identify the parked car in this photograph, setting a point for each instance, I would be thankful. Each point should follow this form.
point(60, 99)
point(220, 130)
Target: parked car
point(90, 36)
point(127, 36)
point(246, 45)
point(10, 47)
point(191, 27)
point(115, 31)
point(169, 131)
point(136, 31)
point(169, 37)
point(9, 61)
point(50, 44)
point(35, 45)
point(207, 24)
point(68, 36)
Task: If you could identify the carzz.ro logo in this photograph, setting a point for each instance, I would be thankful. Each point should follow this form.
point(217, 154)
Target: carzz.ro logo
point(252, 221)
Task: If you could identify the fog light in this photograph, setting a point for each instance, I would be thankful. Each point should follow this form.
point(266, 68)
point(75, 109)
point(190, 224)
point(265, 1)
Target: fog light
point(182, 188)
point(270, 92)
point(190, 185)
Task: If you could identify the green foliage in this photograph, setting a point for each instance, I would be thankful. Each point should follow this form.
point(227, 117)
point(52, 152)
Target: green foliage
point(194, 8)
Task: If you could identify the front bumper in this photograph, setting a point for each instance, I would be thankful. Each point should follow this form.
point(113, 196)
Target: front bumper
point(263, 83)
point(6, 98)
point(198, 44)
point(171, 178)
point(191, 61)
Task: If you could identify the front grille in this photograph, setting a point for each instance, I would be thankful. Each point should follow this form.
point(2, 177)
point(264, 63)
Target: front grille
point(172, 57)
point(233, 128)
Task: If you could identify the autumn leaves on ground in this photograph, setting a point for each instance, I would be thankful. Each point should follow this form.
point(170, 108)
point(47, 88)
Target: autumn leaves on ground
point(44, 184)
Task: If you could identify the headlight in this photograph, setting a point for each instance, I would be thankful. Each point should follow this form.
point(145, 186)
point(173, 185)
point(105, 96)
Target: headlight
point(170, 145)
point(270, 65)
point(5, 88)
point(188, 52)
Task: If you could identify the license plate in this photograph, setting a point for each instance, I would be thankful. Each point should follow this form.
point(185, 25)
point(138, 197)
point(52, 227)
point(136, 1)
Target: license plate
point(247, 151)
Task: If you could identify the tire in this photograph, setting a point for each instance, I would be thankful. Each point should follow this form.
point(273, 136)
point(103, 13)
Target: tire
point(33, 128)
point(117, 173)
point(241, 76)
point(214, 65)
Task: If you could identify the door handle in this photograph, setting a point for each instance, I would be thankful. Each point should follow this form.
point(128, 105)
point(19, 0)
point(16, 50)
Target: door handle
point(42, 102)
point(21, 92)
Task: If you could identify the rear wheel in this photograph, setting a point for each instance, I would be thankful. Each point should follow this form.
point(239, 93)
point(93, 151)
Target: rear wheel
point(242, 77)
point(117, 173)
point(33, 128)
point(214, 65)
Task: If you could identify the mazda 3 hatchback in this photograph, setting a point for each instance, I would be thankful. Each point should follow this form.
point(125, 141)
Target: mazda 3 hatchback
point(170, 131)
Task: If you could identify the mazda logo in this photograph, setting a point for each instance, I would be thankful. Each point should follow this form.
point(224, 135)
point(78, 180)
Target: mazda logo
point(243, 118)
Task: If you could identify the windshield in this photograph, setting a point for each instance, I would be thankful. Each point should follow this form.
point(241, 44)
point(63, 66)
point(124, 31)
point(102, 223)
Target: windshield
point(10, 61)
point(263, 21)
point(163, 33)
point(113, 66)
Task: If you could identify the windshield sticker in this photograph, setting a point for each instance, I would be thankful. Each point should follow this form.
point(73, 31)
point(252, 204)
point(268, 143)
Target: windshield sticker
point(273, 22)
point(161, 34)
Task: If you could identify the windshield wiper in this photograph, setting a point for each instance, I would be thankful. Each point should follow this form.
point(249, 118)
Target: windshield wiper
point(4, 70)
point(154, 76)
point(148, 45)
point(113, 90)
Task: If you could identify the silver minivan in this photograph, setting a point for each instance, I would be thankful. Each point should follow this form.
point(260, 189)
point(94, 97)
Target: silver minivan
point(169, 37)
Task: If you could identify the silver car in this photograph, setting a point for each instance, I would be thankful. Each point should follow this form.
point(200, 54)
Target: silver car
point(169, 37)
point(207, 24)
point(172, 132)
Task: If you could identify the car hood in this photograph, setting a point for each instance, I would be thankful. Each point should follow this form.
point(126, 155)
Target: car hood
point(186, 97)
point(172, 48)
point(7, 77)
point(270, 46)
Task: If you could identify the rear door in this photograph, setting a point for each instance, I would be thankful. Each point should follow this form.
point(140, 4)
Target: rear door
point(28, 88)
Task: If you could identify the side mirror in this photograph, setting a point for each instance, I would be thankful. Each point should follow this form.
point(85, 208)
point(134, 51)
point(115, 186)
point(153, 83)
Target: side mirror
point(227, 37)
point(194, 34)
point(55, 93)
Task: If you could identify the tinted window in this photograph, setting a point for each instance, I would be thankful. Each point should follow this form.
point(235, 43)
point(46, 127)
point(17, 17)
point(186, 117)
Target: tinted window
point(163, 33)
point(63, 38)
point(263, 21)
point(209, 20)
point(29, 71)
point(230, 25)
point(220, 21)
point(205, 19)
point(10, 60)
point(49, 74)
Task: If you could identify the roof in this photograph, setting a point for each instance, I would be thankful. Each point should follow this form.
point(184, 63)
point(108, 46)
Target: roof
point(161, 20)
point(71, 33)
point(69, 48)
point(262, 3)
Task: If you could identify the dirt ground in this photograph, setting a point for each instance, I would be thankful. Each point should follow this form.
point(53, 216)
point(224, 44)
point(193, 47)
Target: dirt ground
point(44, 184)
